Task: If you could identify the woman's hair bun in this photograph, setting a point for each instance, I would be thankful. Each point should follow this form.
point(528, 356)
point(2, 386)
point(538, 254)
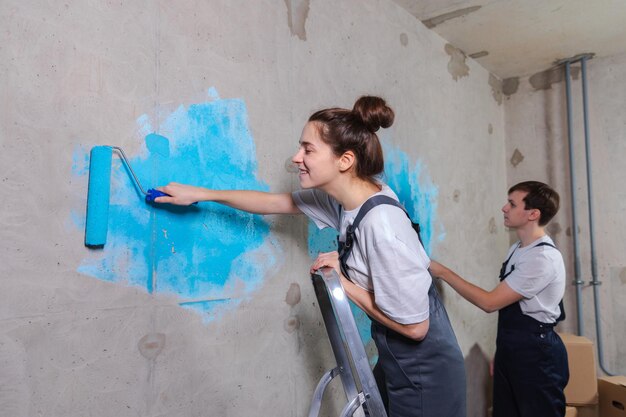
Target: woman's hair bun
point(374, 112)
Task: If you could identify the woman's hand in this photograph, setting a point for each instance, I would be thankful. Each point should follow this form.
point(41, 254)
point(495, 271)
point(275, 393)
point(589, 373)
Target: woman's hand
point(327, 259)
point(180, 194)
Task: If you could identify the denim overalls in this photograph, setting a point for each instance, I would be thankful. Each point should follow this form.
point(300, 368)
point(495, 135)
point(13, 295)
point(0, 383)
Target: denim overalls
point(530, 367)
point(415, 379)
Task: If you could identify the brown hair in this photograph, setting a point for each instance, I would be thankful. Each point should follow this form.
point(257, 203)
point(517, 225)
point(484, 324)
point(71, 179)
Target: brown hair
point(355, 130)
point(541, 197)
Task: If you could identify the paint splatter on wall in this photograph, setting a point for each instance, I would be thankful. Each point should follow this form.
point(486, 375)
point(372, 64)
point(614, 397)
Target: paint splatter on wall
point(416, 192)
point(208, 255)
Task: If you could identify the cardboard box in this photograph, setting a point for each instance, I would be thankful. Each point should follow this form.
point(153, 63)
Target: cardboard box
point(612, 390)
point(587, 410)
point(582, 388)
point(571, 412)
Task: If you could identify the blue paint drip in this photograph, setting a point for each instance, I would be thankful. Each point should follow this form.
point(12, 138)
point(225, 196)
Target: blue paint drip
point(199, 253)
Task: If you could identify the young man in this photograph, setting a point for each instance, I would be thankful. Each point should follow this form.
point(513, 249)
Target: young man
point(530, 367)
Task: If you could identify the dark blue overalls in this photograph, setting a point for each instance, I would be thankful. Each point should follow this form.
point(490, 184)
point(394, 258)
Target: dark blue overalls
point(530, 367)
point(415, 379)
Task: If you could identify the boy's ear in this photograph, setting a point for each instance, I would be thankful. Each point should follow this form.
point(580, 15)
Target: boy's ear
point(535, 214)
point(346, 161)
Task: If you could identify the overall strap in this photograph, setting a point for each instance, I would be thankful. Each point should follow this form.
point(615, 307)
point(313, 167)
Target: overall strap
point(545, 244)
point(561, 307)
point(370, 204)
point(503, 274)
point(346, 247)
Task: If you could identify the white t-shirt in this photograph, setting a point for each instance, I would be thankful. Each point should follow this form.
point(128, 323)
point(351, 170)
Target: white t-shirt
point(539, 276)
point(387, 258)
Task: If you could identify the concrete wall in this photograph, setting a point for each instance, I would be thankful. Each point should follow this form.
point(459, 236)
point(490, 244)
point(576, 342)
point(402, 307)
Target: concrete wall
point(537, 147)
point(206, 311)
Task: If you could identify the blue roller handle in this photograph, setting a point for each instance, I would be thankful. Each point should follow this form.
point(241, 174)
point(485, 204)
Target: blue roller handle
point(152, 194)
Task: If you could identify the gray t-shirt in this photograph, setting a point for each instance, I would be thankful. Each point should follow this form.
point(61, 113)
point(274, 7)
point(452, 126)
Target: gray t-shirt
point(387, 259)
point(539, 276)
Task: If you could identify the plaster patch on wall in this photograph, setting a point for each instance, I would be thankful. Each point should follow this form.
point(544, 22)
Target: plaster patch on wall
point(457, 66)
point(554, 228)
point(210, 256)
point(293, 294)
point(490, 128)
point(437, 20)
point(151, 345)
point(510, 86)
point(456, 196)
point(291, 324)
point(297, 13)
point(477, 55)
point(404, 39)
point(517, 157)
point(493, 228)
point(496, 88)
point(618, 274)
point(543, 80)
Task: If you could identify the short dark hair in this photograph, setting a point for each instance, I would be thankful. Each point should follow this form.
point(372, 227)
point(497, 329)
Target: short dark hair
point(541, 197)
point(355, 130)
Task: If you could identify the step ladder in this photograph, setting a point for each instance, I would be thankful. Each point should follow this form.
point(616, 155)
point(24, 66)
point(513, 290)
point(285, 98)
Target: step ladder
point(352, 363)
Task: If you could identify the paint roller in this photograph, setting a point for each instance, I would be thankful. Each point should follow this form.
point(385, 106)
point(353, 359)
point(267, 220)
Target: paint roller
point(98, 191)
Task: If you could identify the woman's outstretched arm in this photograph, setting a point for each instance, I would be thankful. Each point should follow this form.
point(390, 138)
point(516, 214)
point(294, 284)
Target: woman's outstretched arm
point(258, 202)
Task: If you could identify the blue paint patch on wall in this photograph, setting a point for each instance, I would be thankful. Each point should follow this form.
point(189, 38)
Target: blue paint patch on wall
point(80, 161)
point(207, 255)
point(416, 192)
point(321, 240)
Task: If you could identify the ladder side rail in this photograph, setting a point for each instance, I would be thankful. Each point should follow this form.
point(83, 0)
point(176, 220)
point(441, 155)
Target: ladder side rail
point(334, 335)
point(360, 361)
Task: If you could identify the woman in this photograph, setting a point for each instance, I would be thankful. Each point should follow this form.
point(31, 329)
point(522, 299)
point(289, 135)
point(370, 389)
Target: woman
point(420, 371)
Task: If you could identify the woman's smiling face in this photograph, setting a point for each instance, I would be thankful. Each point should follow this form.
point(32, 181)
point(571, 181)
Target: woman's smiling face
point(317, 164)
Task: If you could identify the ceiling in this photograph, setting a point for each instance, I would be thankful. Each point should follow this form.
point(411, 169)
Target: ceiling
point(516, 38)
